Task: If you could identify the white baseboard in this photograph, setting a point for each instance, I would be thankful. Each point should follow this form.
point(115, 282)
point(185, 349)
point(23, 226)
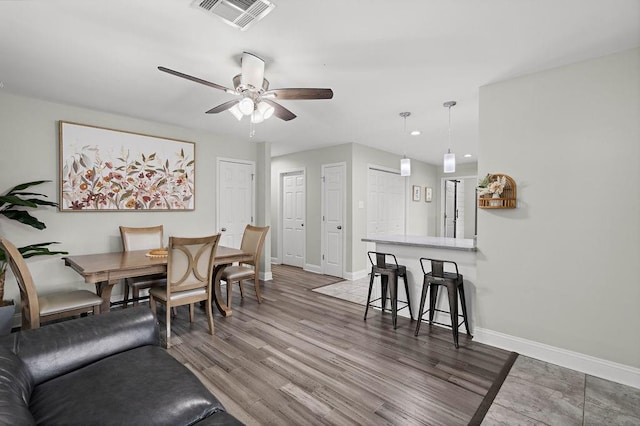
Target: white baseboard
point(266, 276)
point(276, 260)
point(587, 364)
point(352, 276)
point(316, 269)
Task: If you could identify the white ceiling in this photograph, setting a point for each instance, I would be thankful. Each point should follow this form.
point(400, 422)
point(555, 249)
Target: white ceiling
point(380, 57)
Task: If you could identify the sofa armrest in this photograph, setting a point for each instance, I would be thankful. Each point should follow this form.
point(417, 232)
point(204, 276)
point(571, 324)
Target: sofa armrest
point(57, 349)
point(16, 385)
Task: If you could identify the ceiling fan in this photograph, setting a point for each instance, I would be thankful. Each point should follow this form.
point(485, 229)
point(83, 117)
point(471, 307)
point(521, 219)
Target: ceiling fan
point(255, 98)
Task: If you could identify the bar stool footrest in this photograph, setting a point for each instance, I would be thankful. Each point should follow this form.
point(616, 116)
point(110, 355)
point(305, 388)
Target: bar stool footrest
point(440, 323)
point(406, 304)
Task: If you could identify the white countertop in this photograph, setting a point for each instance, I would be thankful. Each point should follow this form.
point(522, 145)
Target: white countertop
point(424, 241)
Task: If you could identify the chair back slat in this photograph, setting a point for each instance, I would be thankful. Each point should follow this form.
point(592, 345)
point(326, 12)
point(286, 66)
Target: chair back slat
point(190, 262)
point(382, 260)
point(30, 306)
point(437, 266)
point(253, 241)
point(150, 237)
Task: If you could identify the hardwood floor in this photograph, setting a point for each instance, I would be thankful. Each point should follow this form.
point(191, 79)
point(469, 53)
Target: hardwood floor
point(303, 358)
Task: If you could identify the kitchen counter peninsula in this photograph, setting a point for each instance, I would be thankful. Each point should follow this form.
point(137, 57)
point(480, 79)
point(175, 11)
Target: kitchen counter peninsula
point(424, 241)
point(408, 249)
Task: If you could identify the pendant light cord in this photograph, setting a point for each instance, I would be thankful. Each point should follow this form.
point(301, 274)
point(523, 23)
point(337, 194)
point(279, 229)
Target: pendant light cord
point(449, 128)
point(404, 115)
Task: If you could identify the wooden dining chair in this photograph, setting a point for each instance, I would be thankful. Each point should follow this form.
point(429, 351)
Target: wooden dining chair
point(38, 309)
point(252, 242)
point(146, 238)
point(189, 271)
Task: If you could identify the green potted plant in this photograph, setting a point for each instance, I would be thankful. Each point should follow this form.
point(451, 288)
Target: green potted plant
point(12, 206)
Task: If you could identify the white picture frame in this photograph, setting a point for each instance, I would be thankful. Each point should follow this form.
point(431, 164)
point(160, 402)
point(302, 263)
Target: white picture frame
point(416, 192)
point(428, 194)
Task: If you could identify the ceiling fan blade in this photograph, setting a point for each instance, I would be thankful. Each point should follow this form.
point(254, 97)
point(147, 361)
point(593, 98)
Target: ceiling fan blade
point(252, 71)
point(280, 111)
point(223, 107)
point(196, 79)
point(300, 93)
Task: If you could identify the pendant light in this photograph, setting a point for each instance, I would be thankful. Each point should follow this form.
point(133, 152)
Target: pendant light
point(405, 163)
point(449, 157)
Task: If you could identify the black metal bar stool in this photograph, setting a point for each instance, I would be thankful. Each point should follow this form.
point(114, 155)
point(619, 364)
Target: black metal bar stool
point(454, 283)
point(389, 273)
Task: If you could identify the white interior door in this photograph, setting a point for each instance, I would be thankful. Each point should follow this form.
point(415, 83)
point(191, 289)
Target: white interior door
point(293, 216)
point(394, 191)
point(376, 223)
point(385, 208)
point(235, 200)
point(333, 219)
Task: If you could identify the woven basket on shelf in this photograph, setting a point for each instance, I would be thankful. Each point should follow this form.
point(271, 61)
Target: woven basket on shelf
point(507, 199)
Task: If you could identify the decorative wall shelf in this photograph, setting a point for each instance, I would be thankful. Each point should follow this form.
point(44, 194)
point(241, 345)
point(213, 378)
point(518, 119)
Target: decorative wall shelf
point(507, 199)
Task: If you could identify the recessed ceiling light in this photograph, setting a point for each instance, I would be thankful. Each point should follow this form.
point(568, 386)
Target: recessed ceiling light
point(415, 133)
point(467, 156)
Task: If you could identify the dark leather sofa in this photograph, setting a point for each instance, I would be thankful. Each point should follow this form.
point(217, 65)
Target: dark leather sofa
point(105, 369)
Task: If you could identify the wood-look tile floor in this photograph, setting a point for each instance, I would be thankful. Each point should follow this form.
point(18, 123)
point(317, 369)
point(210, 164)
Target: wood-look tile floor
point(537, 392)
point(304, 358)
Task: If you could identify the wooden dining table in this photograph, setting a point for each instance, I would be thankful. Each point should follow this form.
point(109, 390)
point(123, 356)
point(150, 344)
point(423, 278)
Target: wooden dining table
point(105, 270)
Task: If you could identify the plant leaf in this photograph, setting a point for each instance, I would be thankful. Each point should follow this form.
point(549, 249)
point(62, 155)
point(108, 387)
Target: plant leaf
point(26, 185)
point(23, 217)
point(30, 193)
point(15, 200)
point(42, 202)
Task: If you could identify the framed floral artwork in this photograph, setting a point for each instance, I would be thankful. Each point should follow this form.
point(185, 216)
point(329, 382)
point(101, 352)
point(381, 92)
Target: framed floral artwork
point(428, 194)
point(113, 170)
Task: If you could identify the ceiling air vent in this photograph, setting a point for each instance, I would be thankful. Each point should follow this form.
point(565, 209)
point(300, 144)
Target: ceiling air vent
point(237, 13)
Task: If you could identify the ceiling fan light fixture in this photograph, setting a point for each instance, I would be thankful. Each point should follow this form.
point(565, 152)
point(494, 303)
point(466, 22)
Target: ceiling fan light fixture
point(266, 110)
point(246, 106)
point(257, 117)
point(235, 111)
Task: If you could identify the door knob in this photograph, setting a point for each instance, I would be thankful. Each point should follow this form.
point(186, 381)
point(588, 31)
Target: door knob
point(223, 229)
point(302, 225)
point(339, 227)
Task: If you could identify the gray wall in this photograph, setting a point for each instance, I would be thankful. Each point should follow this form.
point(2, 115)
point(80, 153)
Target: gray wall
point(29, 151)
point(311, 162)
point(420, 215)
point(563, 268)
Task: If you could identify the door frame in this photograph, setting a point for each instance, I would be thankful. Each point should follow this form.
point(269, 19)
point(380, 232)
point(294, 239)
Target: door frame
point(443, 194)
point(253, 187)
point(323, 243)
point(279, 259)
